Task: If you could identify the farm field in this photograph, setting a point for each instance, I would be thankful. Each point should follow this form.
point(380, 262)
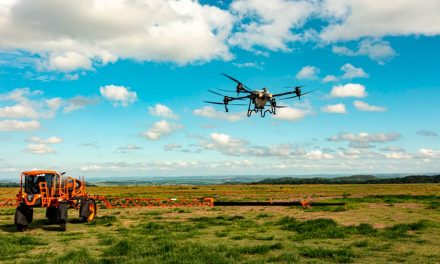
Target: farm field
point(380, 224)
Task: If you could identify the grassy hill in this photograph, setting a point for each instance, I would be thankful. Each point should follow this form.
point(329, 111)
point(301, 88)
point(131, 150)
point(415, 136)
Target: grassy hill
point(355, 179)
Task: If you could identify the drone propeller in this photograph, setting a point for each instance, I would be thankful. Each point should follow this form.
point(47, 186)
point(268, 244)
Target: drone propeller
point(214, 92)
point(228, 91)
point(232, 78)
point(240, 86)
point(297, 95)
point(281, 106)
point(209, 102)
point(295, 87)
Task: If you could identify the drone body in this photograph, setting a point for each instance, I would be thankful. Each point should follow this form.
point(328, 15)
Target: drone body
point(258, 99)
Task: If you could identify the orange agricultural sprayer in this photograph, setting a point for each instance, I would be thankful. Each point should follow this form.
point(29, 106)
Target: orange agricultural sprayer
point(55, 192)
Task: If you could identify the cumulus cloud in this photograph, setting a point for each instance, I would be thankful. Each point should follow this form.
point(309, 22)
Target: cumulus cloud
point(362, 106)
point(398, 155)
point(351, 72)
point(352, 20)
point(330, 78)
point(348, 90)
point(67, 62)
point(78, 102)
point(308, 73)
point(50, 140)
point(162, 111)
point(41, 146)
point(39, 149)
point(230, 146)
point(290, 114)
point(177, 31)
point(120, 95)
point(426, 133)
point(16, 125)
point(210, 112)
point(318, 155)
point(160, 129)
point(268, 24)
point(24, 106)
point(377, 50)
point(23, 103)
point(336, 108)
point(428, 153)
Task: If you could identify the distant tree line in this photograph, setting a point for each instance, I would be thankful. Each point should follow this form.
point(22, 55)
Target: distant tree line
point(355, 179)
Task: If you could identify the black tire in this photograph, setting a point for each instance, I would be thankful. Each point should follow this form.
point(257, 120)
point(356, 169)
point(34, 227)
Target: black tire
point(21, 228)
point(23, 217)
point(51, 214)
point(87, 212)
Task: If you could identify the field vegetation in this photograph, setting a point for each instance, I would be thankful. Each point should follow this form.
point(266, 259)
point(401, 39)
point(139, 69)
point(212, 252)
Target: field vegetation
point(380, 224)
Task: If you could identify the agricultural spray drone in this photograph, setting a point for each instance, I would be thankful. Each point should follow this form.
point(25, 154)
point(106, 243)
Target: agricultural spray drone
point(258, 99)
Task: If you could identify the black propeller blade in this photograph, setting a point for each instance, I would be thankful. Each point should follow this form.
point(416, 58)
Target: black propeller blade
point(214, 92)
point(235, 80)
point(209, 102)
point(232, 78)
point(294, 87)
point(228, 91)
point(296, 95)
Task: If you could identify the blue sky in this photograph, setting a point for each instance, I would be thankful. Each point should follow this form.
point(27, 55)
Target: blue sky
point(116, 88)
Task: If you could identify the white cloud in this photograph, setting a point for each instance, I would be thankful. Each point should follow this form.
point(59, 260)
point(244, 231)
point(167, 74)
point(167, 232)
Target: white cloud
point(428, 153)
point(348, 90)
point(290, 114)
point(307, 73)
point(365, 137)
point(351, 20)
point(376, 50)
point(18, 111)
point(162, 111)
point(41, 146)
point(54, 104)
point(255, 65)
point(210, 112)
point(24, 104)
point(362, 106)
point(39, 149)
point(336, 108)
point(16, 125)
point(119, 94)
point(329, 78)
point(160, 129)
point(268, 24)
point(78, 102)
point(177, 31)
point(351, 72)
point(231, 146)
point(318, 155)
point(127, 148)
point(68, 61)
point(50, 140)
point(398, 155)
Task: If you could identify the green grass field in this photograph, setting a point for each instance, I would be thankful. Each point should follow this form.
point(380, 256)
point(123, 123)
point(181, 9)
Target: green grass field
point(380, 224)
